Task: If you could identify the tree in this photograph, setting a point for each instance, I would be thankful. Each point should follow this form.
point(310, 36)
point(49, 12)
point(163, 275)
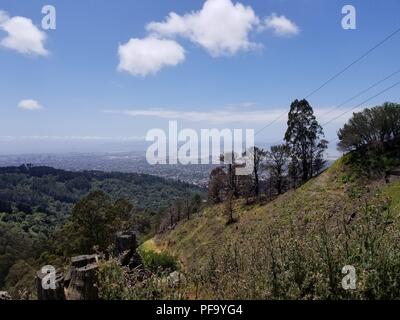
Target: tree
point(294, 172)
point(14, 244)
point(217, 185)
point(178, 209)
point(319, 160)
point(258, 158)
point(188, 206)
point(196, 203)
point(374, 126)
point(246, 187)
point(94, 221)
point(303, 137)
point(230, 159)
point(142, 222)
point(277, 161)
point(171, 217)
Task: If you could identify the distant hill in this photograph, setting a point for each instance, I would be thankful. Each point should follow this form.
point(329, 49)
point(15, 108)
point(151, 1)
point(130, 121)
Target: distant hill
point(41, 187)
point(34, 201)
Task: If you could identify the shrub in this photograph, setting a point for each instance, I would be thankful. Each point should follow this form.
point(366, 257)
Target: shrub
point(154, 260)
point(119, 283)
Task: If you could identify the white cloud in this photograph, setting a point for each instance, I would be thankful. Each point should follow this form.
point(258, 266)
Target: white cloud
point(280, 25)
point(3, 16)
point(220, 27)
point(228, 116)
point(30, 104)
point(22, 35)
point(149, 55)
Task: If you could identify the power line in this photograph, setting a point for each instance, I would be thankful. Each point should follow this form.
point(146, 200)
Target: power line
point(335, 76)
point(353, 63)
point(360, 104)
point(271, 123)
point(360, 93)
point(340, 105)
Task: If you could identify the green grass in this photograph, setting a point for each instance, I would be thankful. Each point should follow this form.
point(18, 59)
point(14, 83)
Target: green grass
point(158, 261)
point(149, 245)
point(392, 190)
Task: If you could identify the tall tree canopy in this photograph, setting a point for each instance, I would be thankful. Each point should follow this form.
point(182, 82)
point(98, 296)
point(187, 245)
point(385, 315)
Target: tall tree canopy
point(304, 139)
point(94, 221)
point(371, 126)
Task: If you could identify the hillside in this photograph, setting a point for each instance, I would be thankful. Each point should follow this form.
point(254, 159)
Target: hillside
point(296, 245)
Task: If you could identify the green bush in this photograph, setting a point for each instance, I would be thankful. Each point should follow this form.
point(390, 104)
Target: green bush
point(119, 283)
point(155, 260)
point(111, 280)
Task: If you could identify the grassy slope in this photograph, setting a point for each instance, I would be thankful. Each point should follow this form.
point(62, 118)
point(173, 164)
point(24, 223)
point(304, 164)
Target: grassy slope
point(333, 192)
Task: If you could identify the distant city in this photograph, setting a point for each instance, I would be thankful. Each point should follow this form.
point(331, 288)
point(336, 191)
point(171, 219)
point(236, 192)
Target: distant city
point(112, 162)
point(134, 161)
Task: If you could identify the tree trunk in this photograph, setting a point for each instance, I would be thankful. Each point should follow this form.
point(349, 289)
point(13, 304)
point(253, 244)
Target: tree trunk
point(256, 183)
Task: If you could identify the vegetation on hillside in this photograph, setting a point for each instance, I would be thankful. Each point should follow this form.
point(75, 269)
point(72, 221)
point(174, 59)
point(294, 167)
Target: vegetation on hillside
point(296, 246)
point(47, 214)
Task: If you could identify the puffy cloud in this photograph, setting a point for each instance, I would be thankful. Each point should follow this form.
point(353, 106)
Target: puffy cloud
point(22, 35)
point(281, 25)
point(29, 104)
point(149, 55)
point(220, 27)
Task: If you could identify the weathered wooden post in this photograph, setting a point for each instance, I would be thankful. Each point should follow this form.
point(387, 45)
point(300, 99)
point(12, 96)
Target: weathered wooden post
point(125, 249)
point(80, 282)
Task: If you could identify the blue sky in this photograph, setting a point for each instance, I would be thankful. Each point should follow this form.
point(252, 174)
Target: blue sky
point(87, 89)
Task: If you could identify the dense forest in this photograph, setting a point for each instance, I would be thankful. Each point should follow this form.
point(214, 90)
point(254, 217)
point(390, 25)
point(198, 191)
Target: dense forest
point(37, 202)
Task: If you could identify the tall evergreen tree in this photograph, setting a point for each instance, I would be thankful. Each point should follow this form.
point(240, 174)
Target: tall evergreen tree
point(304, 139)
